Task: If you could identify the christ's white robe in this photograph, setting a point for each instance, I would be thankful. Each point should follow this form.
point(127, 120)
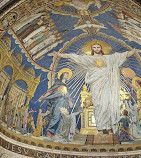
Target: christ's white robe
point(104, 80)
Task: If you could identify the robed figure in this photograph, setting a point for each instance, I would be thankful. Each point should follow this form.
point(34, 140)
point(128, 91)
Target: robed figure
point(104, 79)
point(58, 97)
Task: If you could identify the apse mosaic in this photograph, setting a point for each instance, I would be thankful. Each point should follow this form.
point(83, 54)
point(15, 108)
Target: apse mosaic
point(70, 71)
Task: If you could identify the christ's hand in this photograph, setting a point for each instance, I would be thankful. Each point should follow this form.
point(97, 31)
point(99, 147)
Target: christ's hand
point(133, 51)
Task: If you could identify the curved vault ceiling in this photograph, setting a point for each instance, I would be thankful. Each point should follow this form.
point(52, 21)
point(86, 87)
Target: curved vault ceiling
point(30, 30)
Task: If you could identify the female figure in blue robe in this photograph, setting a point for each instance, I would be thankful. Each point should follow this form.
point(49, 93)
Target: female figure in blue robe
point(58, 97)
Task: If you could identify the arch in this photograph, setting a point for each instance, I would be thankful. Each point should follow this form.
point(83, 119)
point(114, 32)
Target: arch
point(33, 143)
point(112, 150)
point(121, 150)
point(102, 150)
point(66, 149)
point(5, 78)
point(138, 148)
point(25, 141)
point(9, 70)
point(85, 150)
point(129, 149)
point(93, 150)
point(49, 146)
point(57, 148)
point(22, 84)
point(41, 145)
point(75, 149)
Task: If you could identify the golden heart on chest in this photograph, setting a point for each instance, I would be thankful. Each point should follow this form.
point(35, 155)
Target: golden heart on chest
point(99, 63)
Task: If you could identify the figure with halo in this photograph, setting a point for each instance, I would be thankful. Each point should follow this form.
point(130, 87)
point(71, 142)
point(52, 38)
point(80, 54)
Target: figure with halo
point(104, 79)
point(58, 97)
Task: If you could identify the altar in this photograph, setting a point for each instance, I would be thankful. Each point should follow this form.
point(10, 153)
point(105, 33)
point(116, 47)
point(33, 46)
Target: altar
point(88, 124)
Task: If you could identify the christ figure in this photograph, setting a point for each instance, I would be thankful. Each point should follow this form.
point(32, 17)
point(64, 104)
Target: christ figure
point(104, 79)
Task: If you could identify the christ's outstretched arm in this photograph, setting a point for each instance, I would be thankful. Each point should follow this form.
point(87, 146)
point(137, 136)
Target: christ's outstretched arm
point(133, 51)
point(58, 54)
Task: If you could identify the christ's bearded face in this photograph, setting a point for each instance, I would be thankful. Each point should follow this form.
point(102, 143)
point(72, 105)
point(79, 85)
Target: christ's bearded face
point(96, 48)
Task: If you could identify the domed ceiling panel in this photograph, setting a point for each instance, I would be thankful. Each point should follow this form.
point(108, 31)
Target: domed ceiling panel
point(40, 41)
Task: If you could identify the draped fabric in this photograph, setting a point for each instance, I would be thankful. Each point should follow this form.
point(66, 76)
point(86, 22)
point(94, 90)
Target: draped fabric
point(103, 77)
point(67, 130)
point(135, 126)
point(58, 98)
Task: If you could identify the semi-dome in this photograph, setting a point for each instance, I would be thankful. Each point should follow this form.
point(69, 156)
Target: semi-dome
point(18, 58)
point(30, 71)
point(5, 43)
point(94, 112)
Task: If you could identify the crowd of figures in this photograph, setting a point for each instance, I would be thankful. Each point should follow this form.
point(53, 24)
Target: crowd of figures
point(62, 122)
point(18, 119)
point(59, 120)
